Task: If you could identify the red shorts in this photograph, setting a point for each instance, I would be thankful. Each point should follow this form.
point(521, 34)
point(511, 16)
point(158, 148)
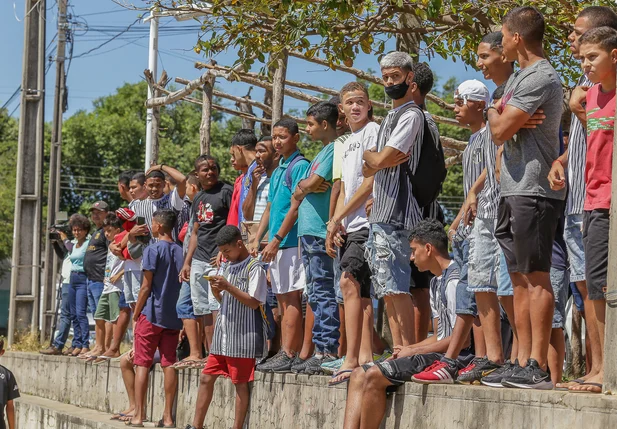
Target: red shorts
point(148, 338)
point(239, 370)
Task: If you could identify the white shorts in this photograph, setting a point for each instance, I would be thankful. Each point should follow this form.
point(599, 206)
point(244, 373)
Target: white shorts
point(287, 272)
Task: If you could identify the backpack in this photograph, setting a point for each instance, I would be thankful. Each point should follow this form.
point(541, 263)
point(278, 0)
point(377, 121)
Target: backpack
point(288, 179)
point(431, 171)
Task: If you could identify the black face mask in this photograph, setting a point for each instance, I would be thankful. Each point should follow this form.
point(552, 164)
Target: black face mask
point(398, 90)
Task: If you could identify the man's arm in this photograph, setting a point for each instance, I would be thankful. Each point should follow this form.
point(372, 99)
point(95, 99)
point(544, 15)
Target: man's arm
point(387, 158)
point(269, 253)
point(144, 293)
point(178, 177)
point(470, 207)
point(222, 284)
point(505, 125)
point(185, 274)
point(312, 184)
point(248, 206)
point(578, 97)
point(10, 414)
point(356, 201)
point(334, 197)
point(264, 224)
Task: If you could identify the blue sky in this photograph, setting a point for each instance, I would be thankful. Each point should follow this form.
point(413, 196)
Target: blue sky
point(123, 60)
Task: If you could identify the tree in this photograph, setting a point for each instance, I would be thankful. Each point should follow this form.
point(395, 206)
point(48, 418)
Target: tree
point(8, 163)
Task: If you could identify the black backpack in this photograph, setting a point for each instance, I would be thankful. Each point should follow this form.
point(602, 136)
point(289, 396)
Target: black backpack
point(431, 171)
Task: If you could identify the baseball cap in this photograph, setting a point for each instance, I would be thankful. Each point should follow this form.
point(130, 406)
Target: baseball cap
point(473, 90)
point(100, 205)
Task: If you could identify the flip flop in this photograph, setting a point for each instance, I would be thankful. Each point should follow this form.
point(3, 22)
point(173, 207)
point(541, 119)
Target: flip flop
point(117, 416)
point(344, 380)
point(565, 389)
point(161, 424)
point(99, 360)
point(184, 364)
point(599, 385)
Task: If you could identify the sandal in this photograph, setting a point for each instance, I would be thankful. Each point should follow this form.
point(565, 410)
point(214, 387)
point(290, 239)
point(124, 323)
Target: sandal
point(339, 373)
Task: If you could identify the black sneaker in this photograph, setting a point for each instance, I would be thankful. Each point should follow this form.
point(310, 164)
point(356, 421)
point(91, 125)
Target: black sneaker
point(478, 368)
point(531, 377)
point(283, 364)
point(494, 378)
point(266, 366)
point(312, 366)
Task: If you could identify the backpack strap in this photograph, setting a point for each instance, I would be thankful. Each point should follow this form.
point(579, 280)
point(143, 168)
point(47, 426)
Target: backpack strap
point(288, 173)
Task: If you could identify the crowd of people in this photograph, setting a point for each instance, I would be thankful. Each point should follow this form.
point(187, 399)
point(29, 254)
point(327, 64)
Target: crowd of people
point(278, 272)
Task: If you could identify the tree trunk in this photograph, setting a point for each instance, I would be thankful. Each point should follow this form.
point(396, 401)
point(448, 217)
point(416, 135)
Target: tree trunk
point(409, 42)
point(206, 117)
point(577, 364)
point(278, 88)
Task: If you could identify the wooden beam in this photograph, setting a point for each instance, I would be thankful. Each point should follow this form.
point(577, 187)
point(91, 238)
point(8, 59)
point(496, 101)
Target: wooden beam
point(205, 138)
point(178, 95)
point(221, 94)
point(278, 87)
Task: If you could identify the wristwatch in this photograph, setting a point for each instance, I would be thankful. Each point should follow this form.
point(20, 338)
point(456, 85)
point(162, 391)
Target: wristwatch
point(492, 106)
point(278, 237)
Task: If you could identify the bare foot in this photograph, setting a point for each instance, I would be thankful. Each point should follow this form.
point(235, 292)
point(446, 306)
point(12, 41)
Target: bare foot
point(591, 385)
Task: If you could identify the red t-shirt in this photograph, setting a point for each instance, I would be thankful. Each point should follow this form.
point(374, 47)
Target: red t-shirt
point(600, 133)
point(118, 239)
point(233, 216)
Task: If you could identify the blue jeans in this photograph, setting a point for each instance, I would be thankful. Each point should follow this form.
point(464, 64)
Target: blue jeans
point(560, 282)
point(95, 290)
point(321, 294)
point(78, 298)
point(465, 299)
point(64, 325)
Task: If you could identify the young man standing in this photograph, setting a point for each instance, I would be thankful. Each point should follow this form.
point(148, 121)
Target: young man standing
point(525, 192)
point(96, 255)
point(137, 188)
point(256, 198)
point(574, 161)
point(348, 229)
point(395, 210)
point(242, 152)
point(287, 274)
point(124, 186)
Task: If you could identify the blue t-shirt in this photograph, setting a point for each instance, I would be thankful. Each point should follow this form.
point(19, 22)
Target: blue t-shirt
point(279, 198)
point(247, 182)
point(315, 209)
point(164, 260)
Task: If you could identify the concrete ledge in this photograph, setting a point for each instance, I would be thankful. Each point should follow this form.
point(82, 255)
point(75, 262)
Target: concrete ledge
point(306, 402)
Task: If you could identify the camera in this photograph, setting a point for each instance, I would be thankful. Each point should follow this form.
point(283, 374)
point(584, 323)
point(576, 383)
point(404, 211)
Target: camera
point(62, 227)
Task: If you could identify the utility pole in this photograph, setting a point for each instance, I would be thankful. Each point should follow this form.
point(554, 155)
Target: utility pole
point(53, 190)
point(26, 261)
point(153, 47)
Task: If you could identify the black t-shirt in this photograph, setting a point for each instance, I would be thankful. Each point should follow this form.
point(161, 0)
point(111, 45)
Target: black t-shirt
point(210, 209)
point(96, 256)
point(8, 391)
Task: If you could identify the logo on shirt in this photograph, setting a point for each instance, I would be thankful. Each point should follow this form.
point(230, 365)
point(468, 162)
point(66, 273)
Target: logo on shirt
point(205, 214)
point(2, 376)
point(314, 167)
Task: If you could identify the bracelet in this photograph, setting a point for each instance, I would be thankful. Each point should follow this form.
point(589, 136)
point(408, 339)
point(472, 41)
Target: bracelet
point(161, 168)
point(278, 237)
point(557, 160)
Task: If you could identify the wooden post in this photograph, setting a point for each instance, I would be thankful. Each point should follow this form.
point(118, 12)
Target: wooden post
point(610, 334)
point(156, 119)
point(577, 366)
point(278, 87)
point(206, 116)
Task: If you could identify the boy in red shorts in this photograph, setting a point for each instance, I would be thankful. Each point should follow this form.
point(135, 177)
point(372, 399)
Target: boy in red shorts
point(157, 323)
point(239, 335)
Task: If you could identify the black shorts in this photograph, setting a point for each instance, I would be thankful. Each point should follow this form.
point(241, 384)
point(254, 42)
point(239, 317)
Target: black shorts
point(525, 231)
point(420, 279)
point(595, 240)
point(398, 371)
point(354, 262)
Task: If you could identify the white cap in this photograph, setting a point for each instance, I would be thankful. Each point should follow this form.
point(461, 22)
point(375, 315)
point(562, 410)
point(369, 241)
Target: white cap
point(473, 90)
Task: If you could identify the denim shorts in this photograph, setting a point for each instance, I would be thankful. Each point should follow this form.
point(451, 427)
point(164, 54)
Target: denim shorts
point(184, 307)
point(388, 253)
point(504, 283)
point(460, 251)
point(132, 284)
point(465, 299)
point(204, 301)
point(560, 282)
point(573, 236)
point(484, 255)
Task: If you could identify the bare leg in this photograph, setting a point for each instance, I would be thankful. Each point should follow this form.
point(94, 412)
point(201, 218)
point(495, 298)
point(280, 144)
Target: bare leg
point(422, 312)
point(119, 329)
point(521, 317)
point(374, 399)
point(556, 355)
point(171, 383)
point(342, 348)
point(291, 304)
point(507, 302)
point(366, 342)
point(353, 318)
point(204, 397)
point(599, 307)
point(353, 407)
point(208, 324)
point(541, 308)
point(488, 312)
point(400, 318)
point(128, 376)
point(109, 332)
point(191, 328)
point(141, 387)
point(378, 345)
point(99, 330)
point(478, 338)
point(592, 335)
point(460, 335)
point(242, 404)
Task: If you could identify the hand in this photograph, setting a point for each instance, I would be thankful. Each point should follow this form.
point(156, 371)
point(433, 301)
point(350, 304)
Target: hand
point(471, 208)
point(139, 231)
point(269, 253)
point(219, 282)
point(451, 233)
point(154, 167)
point(407, 352)
point(116, 249)
point(253, 248)
point(115, 278)
point(185, 273)
point(136, 316)
point(216, 261)
point(535, 119)
point(395, 352)
point(131, 355)
point(368, 207)
point(63, 236)
point(578, 97)
point(323, 187)
point(257, 173)
point(330, 249)
point(557, 176)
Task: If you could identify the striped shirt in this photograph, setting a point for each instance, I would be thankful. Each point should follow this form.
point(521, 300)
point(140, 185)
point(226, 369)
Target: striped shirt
point(146, 208)
point(261, 198)
point(473, 164)
point(394, 203)
point(240, 331)
point(442, 292)
point(577, 155)
point(488, 199)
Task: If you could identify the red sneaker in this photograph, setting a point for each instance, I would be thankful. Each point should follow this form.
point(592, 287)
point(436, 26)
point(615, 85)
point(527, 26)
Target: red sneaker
point(440, 372)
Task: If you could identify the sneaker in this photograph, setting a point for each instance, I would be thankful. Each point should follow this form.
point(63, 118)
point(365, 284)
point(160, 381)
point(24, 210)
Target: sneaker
point(265, 366)
point(494, 378)
point(531, 377)
point(312, 366)
point(283, 364)
point(478, 368)
point(333, 366)
point(51, 351)
point(440, 372)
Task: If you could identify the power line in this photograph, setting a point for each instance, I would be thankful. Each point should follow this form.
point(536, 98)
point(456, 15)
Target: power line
point(108, 41)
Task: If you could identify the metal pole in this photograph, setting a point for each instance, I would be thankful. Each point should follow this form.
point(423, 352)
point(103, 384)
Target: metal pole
point(53, 199)
point(153, 47)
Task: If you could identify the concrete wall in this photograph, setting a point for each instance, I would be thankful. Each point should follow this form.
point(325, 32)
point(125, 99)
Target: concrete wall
point(306, 402)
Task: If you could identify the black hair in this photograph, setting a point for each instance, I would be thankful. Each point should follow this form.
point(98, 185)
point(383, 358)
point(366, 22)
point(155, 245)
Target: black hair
point(600, 16)
point(431, 231)
point(336, 100)
point(205, 158)
point(112, 220)
point(605, 37)
point(227, 235)
point(170, 179)
point(324, 111)
point(494, 40)
point(245, 138)
point(423, 77)
point(80, 221)
point(156, 175)
point(265, 139)
point(191, 179)
point(290, 124)
point(125, 178)
point(1, 343)
point(166, 217)
point(139, 178)
point(526, 21)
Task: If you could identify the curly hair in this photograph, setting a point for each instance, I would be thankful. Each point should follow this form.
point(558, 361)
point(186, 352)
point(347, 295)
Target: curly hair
point(79, 221)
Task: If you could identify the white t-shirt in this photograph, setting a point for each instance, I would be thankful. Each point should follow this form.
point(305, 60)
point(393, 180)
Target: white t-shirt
point(112, 267)
point(353, 151)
